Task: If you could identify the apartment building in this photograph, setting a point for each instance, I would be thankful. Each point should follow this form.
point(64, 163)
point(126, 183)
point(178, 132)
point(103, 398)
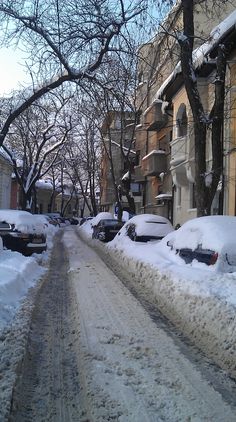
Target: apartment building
point(164, 135)
point(118, 160)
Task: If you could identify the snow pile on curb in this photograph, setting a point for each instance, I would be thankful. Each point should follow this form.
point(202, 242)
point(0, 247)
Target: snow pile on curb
point(17, 274)
point(198, 303)
point(13, 340)
point(206, 319)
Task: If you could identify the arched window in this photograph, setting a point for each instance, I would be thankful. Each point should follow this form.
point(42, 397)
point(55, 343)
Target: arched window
point(182, 121)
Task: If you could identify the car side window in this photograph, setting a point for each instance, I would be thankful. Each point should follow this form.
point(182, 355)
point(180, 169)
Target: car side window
point(130, 230)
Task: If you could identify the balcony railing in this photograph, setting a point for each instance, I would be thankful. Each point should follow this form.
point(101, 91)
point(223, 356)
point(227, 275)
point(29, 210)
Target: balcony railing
point(155, 119)
point(178, 151)
point(139, 174)
point(155, 163)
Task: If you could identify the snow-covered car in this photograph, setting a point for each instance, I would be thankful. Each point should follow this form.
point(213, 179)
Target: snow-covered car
point(90, 222)
point(50, 226)
point(210, 240)
point(21, 231)
point(51, 220)
point(74, 221)
point(106, 229)
point(146, 227)
point(84, 219)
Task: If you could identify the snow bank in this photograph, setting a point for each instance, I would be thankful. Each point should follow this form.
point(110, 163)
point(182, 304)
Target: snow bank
point(204, 309)
point(199, 301)
point(17, 274)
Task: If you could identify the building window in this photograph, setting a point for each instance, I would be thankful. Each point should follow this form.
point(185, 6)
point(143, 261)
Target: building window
point(138, 117)
point(178, 196)
point(182, 121)
point(135, 188)
point(192, 196)
point(137, 158)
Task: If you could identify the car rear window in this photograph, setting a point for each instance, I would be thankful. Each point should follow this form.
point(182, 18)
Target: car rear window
point(155, 222)
point(111, 222)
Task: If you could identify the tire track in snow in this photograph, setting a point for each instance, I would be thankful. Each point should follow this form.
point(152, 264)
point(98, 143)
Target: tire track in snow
point(48, 387)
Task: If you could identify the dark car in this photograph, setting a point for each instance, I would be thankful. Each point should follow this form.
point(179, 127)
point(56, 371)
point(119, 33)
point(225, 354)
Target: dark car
point(74, 221)
point(21, 232)
point(106, 230)
point(84, 219)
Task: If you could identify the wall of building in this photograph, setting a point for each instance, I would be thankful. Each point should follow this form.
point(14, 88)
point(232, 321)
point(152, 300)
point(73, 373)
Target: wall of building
point(5, 183)
point(230, 139)
point(157, 60)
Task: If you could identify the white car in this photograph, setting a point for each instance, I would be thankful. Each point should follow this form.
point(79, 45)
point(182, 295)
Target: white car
point(22, 232)
point(146, 227)
point(210, 240)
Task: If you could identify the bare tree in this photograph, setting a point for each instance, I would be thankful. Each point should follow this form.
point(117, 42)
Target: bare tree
point(115, 115)
point(65, 41)
point(35, 141)
point(205, 192)
point(82, 154)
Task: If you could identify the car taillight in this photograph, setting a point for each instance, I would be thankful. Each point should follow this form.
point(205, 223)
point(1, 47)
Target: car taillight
point(213, 258)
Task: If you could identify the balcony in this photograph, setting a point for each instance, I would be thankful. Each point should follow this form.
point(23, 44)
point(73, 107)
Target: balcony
point(155, 119)
point(155, 163)
point(139, 174)
point(182, 163)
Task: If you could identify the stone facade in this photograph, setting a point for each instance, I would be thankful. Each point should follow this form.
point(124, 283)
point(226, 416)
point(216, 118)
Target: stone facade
point(5, 180)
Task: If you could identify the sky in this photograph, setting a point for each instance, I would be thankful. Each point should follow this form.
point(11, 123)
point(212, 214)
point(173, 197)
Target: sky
point(12, 71)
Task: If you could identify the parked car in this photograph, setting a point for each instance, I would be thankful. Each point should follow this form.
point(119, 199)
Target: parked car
point(210, 240)
point(21, 231)
point(106, 229)
point(52, 220)
point(74, 221)
point(53, 214)
point(84, 219)
point(63, 221)
point(146, 227)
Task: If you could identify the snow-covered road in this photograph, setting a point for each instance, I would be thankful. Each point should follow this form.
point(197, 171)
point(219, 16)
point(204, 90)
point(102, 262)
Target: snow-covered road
point(100, 357)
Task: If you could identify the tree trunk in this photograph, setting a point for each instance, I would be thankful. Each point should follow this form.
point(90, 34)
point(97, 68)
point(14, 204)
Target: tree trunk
point(199, 116)
point(204, 194)
point(26, 199)
point(217, 126)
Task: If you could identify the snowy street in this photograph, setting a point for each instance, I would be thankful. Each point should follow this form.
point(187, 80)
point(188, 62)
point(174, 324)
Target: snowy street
point(95, 352)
